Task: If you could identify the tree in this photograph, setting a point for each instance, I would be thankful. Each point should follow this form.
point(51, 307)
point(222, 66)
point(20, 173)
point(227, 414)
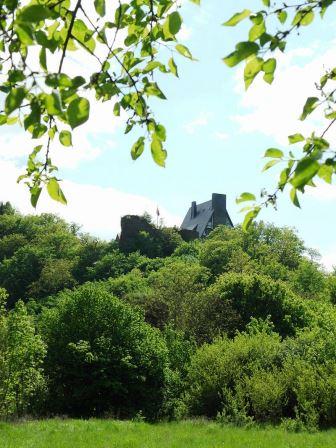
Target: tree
point(317, 159)
point(50, 102)
point(228, 305)
point(102, 357)
point(21, 356)
point(6, 208)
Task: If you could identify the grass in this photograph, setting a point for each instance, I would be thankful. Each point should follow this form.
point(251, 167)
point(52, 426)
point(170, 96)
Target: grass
point(116, 434)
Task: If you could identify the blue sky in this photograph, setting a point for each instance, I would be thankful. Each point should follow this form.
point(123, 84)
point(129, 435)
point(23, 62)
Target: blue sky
point(217, 135)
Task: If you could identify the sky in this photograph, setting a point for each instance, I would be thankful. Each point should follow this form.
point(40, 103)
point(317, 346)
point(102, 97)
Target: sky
point(217, 135)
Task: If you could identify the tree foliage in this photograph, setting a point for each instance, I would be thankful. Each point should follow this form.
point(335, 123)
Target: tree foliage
point(317, 159)
point(123, 45)
point(21, 356)
point(239, 326)
point(102, 357)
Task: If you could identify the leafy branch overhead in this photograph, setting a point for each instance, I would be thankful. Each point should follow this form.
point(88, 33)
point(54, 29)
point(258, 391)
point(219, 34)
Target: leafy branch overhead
point(123, 43)
point(270, 29)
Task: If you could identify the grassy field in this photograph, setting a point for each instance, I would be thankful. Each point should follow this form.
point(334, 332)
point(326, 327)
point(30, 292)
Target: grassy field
point(113, 434)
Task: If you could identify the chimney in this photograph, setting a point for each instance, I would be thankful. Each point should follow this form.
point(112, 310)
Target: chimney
point(219, 208)
point(193, 210)
point(219, 201)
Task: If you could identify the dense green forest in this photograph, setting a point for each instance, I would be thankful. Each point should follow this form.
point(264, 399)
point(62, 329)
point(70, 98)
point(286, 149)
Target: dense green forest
point(238, 327)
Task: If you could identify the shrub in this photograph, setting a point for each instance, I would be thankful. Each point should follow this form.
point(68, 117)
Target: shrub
point(223, 256)
point(21, 357)
point(174, 288)
point(308, 280)
point(217, 372)
point(102, 357)
point(257, 376)
point(234, 299)
point(180, 350)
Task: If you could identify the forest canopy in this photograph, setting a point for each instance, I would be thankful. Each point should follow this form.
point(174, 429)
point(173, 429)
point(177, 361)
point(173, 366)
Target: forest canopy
point(239, 327)
point(130, 45)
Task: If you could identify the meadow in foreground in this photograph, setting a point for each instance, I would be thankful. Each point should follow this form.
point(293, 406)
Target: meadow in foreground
point(113, 434)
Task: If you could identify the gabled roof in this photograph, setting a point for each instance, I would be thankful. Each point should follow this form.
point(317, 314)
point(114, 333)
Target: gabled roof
point(200, 221)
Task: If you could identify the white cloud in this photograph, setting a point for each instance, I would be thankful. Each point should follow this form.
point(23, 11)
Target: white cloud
point(87, 140)
point(192, 126)
point(322, 192)
point(221, 136)
point(274, 109)
point(97, 209)
point(328, 260)
point(184, 33)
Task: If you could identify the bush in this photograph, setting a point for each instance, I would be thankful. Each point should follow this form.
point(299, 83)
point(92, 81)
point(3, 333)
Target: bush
point(102, 357)
point(219, 373)
point(234, 299)
point(308, 280)
point(174, 288)
point(223, 256)
point(257, 376)
point(21, 357)
point(180, 350)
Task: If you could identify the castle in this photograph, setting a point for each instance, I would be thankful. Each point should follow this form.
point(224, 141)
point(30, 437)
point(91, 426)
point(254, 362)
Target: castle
point(202, 218)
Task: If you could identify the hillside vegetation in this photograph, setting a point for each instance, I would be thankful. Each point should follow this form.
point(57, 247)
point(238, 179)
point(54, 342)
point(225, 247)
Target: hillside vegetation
point(239, 327)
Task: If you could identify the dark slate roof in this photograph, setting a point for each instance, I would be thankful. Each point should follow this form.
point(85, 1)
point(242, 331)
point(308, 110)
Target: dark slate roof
point(203, 216)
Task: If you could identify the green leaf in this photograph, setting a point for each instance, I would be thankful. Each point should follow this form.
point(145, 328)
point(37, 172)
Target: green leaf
point(244, 197)
point(330, 115)
point(53, 104)
point(34, 117)
point(274, 152)
point(158, 153)
point(197, 2)
point(304, 172)
point(303, 17)
point(295, 138)
point(173, 67)
point(43, 59)
point(25, 33)
point(78, 112)
point(14, 99)
point(184, 51)
point(243, 51)
point(325, 172)
point(257, 30)
point(250, 217)
point(152, 65)
point(269, 164)
point(65, 138)
point(34, 13)
point(138, 148)
point(282, 16)
point(160, 132)
point(268, 68)
point(153, 89)
point(34, 195)
point(100, 7)
point(172, 24)
point(294, 198)
point(267, 3)
point(284, 175)
point(116, 109)
point(308, 108)
point(252, 68)
point(55, 191)
point(238, 17)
